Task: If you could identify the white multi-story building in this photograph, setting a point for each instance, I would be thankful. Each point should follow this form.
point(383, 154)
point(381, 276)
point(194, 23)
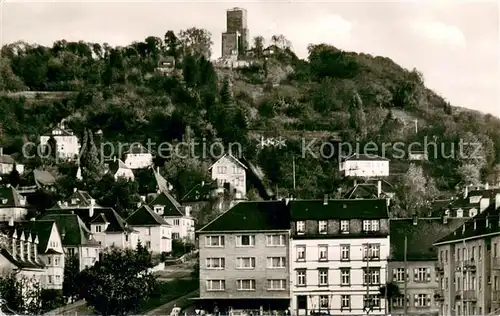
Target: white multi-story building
point(363, 165)
point(67, 143)
point(230, 170)
point(138, 157)
point(339, 251)
point(154, 232)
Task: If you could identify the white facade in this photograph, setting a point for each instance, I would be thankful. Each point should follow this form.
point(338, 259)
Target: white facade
point(181, 227)
point(365, 168)
point(87, 256)
point(138, 160)
point(114, 239)
point(54, 262)
point(6, 168)
point(334, 285)
point(230, 170)
point(68, 145)
point(157, 239)
point(124, 173)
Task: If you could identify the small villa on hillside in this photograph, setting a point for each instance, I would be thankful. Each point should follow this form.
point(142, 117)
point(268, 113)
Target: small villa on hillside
point(230, 171)
point(13, 206)
point(154, 232)
point(364, 165)
point(67, 143)
point(178, 217)
point(138, 157)
point(7, 164)
point(119, 170)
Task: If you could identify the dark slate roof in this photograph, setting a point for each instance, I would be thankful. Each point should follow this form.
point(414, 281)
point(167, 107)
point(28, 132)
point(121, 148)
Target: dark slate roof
point(252, 216)
point(200, 192)
point(11, 197)
point(256, 177)
point(338, 209)
point(6, 250)
point(72, 229)
point(42, 228)
point(161, 183)
point(489, 216)
point(145, 216)
point(116, 222)
point(64, 132)
point(43, 178)
point(362, 191)
point(420, 237)
point(365, 157)
point(170, 205)
point(490, 193)
point(81, 199)
point(462, 203)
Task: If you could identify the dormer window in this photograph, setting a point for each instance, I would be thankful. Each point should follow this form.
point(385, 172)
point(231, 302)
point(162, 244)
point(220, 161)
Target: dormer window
point(158, 209)
point(4, 201)
point(98, 229)
point(300, 226)
point(73, 201)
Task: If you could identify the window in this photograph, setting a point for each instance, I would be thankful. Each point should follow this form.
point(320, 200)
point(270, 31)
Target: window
point(177, 222)
point(323, 253)
point(371, 301)
point(345, 277)
point(323, 301)
point(275, 240)
point(422, 274)
point(301, 302)
point(245, 263)
point(344, 252)
point(56, 261)
point(398, 275)
point(300, 227)
point(344, 226)
point(322, 227)
point(245, 241)
point(98, 228)
point(126, 237)
point(148, 231)
point(371, 276)
point(211, 241)
point(158, 209)
point(301, 277)
point(246, 285)
point(178, 236)
point(345, 301)
point(148, 244)
point(276, 262)
point(323, 276)
point(216, 285)
point(371, 225)
point(58, 279)
point(422, 300)
point(371, 251)
point(49, 260)
point(276, 285)
point(301, 253)
point(398, 301)
point(50, 279)
point(215, 263)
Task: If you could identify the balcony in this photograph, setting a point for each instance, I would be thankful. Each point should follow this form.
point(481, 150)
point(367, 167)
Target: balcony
point(439, 295)
point(469, 266)
point(439, 268)
point(469, 296)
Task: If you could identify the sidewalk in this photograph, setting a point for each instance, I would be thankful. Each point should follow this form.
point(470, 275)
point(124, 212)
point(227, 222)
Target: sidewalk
point(183, 301)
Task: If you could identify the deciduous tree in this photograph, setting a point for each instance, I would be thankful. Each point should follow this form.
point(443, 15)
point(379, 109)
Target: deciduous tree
point(196, 42)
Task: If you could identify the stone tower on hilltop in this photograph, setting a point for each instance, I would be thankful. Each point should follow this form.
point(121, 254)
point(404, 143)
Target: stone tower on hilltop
point(235, 41)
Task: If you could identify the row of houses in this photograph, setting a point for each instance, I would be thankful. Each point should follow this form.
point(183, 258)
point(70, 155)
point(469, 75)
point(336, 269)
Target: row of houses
point(332, 257)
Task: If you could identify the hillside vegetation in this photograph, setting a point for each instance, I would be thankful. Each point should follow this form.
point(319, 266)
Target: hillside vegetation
point(332, 95)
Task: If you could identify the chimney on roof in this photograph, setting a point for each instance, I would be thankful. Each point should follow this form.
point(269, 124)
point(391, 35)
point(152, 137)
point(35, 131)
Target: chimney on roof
point(74, 189)
point(325, 199)
point(158, 170)
point(202, 183)
point(486, 186)
point(11, 221)
point(466, 191)
point(114, 158)
point(415, 219)
point(355, 182)
point(445, 219)
point(91, 208)
point(1, 151)
point(379, 188)
point(8, 185)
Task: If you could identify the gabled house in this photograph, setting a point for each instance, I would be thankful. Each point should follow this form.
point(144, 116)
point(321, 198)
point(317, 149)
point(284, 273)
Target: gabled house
point(229, 170)
point(368, 190)
point(119, 170)
point(7, 164)
point(364, 165)
point(107, 226)
point(13, 206)
point(472, 202)
point(154, 232)
point(67, 143)
point(76, 238)
point(50, 250)
point(43, 178)
point(178, 217)
point(138, 157)
point(19, 254)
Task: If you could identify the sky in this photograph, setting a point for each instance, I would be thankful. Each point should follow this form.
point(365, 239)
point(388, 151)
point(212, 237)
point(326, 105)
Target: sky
point(455, 44)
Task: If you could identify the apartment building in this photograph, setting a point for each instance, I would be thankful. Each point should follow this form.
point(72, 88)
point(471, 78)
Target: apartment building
point(469, 265)
point(244, 262)
point(339, 251)
point(420, 273)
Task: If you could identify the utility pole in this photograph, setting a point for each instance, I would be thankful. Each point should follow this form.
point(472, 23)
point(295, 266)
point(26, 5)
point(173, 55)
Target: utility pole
point(416, 126)
point(465, 281)
point(405, 299)
point(293, 165)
